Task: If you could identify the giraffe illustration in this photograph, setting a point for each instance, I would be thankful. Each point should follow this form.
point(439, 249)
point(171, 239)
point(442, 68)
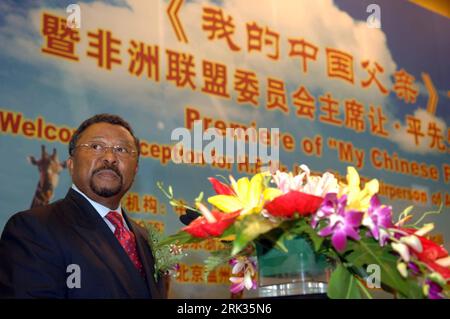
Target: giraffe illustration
point(49, 168)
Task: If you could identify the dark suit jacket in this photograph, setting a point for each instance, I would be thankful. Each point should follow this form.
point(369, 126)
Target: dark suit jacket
point(38, 245)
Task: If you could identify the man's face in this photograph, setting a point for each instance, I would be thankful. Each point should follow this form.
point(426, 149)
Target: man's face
point(105, 174)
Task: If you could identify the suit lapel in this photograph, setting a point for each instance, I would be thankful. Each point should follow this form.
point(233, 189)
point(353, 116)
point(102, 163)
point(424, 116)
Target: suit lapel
point(96, 233)
point(146, 256)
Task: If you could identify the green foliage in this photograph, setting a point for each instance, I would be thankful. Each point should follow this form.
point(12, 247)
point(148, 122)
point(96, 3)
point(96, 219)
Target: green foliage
point(367, 251)
point(165, 257)
point(216, 259)
point(303, 227)
point(250, 228)
point(343, 284)
point(179, 238)
point(256, 230)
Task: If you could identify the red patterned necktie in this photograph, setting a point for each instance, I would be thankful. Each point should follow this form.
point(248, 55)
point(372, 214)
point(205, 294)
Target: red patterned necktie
point(126, 239)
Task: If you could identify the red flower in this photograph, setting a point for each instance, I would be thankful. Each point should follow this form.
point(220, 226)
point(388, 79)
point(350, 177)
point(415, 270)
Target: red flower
point(294, 202)
point(431, 250)
point(430, 253)
point(201, 228)
point(221, 188)
point(444, 271)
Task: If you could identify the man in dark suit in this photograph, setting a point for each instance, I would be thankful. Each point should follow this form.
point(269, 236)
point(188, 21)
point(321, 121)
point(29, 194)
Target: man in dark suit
point(83, 246)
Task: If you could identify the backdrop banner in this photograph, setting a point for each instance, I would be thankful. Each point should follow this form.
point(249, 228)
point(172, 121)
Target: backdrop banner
point(326, 83)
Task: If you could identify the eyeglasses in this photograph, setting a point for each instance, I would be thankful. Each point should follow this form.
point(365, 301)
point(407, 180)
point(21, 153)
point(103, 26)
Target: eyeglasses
point(100, 148)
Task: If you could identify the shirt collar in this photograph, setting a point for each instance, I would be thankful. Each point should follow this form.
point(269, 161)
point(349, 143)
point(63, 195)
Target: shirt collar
point(102, 210)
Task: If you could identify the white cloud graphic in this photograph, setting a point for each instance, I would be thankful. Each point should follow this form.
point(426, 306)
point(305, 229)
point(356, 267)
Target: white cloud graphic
point(318, 22)
point(406, 140)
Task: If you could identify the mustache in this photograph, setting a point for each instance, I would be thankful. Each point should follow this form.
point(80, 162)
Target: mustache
point(107, 168)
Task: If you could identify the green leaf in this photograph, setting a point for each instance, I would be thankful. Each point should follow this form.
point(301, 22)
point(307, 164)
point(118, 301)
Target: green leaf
point(228, 232)
point(179, 238)
point(343, 284)
point(368, 251)
point(165, 258)
point(405, 212)
point(250, 228)
point(279, 244)
point(199, 198)
point(216, 259)
point(274, 238)
point(304, 228)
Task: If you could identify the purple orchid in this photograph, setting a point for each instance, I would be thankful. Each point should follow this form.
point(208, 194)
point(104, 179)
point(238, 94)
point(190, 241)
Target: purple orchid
point(327, 208)
point(378, 219)
point(434, 290)
point(415, 270)
point(246, 267)
point(342, 223)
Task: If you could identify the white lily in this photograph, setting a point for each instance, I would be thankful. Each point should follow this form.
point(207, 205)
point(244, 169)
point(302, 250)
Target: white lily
point(304, 182)
point(402, 249)
point(425, 229)
point(206, 212)
point(413, 242)
point(287, 182)
point(402, 246)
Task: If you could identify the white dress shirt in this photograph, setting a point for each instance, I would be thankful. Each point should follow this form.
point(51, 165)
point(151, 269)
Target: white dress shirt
point(103, 210)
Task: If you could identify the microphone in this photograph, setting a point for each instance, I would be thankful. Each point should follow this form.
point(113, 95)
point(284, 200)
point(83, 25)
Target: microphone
point(189, 216)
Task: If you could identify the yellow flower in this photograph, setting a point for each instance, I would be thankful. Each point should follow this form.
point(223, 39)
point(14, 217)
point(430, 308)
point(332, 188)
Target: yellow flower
point(356, 198)
point(249, 196)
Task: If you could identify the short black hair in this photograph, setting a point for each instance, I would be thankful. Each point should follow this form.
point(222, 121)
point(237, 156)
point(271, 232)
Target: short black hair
point(101, 118)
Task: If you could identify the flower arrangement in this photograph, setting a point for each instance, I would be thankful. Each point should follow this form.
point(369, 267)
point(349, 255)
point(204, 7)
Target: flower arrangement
point(346, 223)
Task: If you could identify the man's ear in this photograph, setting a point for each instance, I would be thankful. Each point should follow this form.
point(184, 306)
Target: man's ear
point(69, 164)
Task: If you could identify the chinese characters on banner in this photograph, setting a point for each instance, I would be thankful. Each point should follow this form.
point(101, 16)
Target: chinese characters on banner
point(216, 79)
